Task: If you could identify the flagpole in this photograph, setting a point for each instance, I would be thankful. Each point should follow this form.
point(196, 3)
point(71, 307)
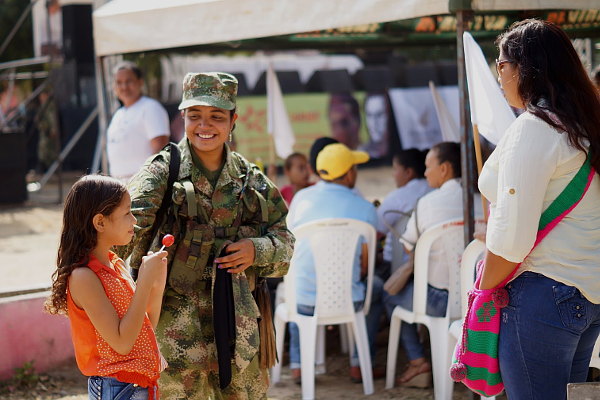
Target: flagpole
point(479, 161)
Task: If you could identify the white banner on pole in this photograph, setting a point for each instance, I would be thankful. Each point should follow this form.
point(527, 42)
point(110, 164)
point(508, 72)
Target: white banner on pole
point(489, 109)
point(278, 122)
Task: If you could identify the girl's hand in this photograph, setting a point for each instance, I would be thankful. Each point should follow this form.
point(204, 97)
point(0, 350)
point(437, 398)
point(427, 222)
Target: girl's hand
point(154, 269)
point(240, 255)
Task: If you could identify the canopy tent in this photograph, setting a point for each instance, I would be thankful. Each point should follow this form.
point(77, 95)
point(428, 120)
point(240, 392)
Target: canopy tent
point(127, 26)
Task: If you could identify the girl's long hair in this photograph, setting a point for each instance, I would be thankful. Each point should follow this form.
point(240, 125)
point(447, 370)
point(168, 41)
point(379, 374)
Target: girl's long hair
point(553, 84)
point(90, 195)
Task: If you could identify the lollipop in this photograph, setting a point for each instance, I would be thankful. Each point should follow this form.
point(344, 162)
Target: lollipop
point(167, 241)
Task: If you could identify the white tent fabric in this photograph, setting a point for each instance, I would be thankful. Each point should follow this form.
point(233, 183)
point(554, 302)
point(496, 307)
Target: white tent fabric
point(125, 26)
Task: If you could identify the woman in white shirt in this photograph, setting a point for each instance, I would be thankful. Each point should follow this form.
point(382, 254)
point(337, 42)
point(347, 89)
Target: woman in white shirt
point(549, 328)
point(445, 203)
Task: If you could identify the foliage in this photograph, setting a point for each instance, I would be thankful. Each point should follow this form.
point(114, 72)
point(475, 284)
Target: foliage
point(21, 46)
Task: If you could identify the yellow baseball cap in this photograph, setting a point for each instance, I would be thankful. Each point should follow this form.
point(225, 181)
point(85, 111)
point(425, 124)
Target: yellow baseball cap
point(336, 159)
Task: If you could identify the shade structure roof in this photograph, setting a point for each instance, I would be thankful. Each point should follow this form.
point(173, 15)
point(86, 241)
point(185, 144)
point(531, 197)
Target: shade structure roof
point(126, 26)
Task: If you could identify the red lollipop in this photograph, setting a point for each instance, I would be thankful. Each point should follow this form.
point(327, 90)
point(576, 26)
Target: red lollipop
point(167, 241)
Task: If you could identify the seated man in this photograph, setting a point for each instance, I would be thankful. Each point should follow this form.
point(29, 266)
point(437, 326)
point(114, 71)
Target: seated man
point(332, 197)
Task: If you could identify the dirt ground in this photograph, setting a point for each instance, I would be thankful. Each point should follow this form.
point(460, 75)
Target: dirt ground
point(29, 236)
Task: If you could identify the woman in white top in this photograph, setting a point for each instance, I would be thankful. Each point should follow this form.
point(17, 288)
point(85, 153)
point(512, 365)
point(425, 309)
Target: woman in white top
point(445, 203)
point(549, 328)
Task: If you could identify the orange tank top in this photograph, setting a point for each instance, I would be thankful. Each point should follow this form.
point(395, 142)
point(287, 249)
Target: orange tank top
point(94, 355)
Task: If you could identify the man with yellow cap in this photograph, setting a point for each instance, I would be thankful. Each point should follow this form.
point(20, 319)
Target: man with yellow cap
point(332, 197)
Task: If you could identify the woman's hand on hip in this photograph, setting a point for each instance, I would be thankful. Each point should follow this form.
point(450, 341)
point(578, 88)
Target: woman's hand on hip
point(240, 255)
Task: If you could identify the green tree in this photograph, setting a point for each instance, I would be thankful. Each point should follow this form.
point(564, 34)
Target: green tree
point(21, 45)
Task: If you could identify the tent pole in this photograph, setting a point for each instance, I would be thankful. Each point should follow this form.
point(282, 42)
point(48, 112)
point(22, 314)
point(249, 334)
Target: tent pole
point(466, 140)
point(99, 162)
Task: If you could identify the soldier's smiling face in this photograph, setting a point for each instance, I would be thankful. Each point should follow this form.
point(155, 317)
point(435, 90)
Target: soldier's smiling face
point(207, 128)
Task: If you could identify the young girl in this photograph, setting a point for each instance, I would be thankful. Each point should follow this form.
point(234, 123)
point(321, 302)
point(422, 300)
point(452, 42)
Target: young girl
point(297, 171)
point(112, 318)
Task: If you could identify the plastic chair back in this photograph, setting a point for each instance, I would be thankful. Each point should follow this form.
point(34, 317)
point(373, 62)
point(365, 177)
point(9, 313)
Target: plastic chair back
point(449, 235)
point(333, 243)
point(472, 254)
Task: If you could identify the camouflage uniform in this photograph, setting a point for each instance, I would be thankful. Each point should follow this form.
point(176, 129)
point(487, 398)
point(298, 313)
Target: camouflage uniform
point(185, 330)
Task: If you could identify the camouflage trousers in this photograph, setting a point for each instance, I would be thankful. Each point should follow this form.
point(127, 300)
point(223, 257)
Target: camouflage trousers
point(186, 339)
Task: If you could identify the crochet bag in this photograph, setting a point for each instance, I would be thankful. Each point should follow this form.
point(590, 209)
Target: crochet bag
point(476, 355)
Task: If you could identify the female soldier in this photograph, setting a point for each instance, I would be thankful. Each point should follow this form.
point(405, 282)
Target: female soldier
point(229, 224)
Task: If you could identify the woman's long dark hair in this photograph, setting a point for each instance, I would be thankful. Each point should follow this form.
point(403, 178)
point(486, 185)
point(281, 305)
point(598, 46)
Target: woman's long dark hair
point(90, 195)
point(552, 81)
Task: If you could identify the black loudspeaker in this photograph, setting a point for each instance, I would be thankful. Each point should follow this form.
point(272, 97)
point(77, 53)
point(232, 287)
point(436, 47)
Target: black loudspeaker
point(78, 38)
point(448, 73)
point(81, 156)
point(331, 81)
point(13, 167)
point(289, 82)
point(374, 79)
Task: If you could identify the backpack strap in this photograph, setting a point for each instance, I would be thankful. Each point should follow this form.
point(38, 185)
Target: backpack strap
point(174, 163)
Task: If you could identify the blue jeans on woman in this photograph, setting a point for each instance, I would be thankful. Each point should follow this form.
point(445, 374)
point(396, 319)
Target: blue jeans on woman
point(547, 335)
point(107, 388)
point(437, 300)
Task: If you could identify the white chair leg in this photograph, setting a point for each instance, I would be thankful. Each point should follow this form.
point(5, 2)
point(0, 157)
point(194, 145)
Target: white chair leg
point(394, 337)
point(351, 339)
point(308, 336)
point(279, 342)
point(364, 356)
point(320, 350)
point(344, 345)
point(442, 389)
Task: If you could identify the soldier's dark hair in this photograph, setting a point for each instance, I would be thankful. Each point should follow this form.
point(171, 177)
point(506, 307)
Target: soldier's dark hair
point(449, 152)
point(89, 196)
point(128, 65)
point(412, 159)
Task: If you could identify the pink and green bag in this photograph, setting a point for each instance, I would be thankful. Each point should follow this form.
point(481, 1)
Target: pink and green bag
point(476, 355)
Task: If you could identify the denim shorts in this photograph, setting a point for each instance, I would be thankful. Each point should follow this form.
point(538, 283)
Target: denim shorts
point(107, 388)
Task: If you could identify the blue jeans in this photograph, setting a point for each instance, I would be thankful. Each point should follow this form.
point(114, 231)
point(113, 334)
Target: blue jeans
point(547, 335)
point(437, 300)
point(372, 321)
point(106, 388)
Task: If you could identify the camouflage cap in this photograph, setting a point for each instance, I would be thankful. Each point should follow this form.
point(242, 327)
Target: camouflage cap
point(215, 89)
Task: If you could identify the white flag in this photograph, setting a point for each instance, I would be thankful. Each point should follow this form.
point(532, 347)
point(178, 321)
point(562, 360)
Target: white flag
point(278, 122)
point(448, 124)
point(489, 109)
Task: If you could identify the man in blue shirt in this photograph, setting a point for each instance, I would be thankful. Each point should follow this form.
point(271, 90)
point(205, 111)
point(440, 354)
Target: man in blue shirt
point(332, 197)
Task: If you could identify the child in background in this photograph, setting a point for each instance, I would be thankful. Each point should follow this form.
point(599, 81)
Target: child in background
point(297, 171)
point(112, 319)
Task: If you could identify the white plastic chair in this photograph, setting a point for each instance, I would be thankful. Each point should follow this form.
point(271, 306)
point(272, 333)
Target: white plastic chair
point(333, 244)
point(472, 254)
point(450, 235)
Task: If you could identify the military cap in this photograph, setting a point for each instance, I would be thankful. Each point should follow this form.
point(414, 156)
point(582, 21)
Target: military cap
point(215, 89)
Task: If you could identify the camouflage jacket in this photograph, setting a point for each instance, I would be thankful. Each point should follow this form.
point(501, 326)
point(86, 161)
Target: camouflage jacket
point(272, 240)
